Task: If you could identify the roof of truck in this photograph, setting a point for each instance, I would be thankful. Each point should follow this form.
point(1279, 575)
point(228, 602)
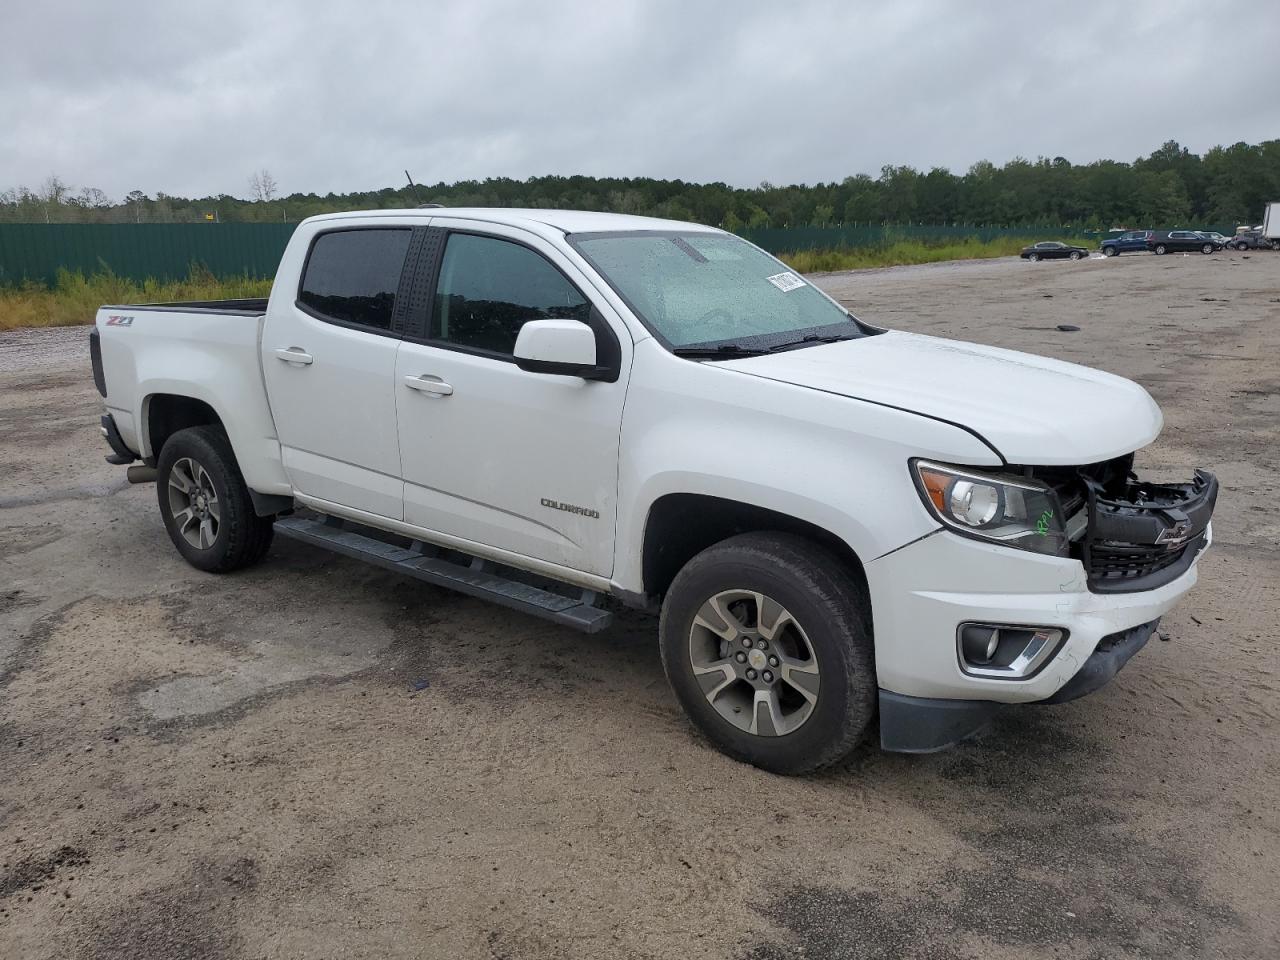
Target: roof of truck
point(570, 221)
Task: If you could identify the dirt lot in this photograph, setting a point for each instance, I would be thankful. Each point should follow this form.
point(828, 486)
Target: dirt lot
point(204, 767)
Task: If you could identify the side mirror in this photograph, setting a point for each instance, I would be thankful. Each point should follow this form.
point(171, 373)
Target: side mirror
point(564, 347)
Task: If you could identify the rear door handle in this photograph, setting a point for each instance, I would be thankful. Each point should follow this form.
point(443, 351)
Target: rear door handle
point(429, 384)
point(294, 355)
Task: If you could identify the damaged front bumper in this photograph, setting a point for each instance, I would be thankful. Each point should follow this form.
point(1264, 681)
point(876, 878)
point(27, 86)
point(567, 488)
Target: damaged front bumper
point(1133, 558)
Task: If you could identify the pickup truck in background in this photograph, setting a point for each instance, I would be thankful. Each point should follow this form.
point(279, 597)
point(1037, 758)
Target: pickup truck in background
point(548, 408)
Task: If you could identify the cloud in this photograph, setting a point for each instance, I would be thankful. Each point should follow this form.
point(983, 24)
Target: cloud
point(338, 97)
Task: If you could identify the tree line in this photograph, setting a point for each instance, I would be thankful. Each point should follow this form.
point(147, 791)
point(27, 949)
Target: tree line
point(1171, 187)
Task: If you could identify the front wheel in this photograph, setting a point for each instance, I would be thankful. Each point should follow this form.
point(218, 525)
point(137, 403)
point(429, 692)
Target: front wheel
point(1242, 246)
point(1160, 249)
point(1033, 257)
point(1076, 255)
point(1108, 251)
point(1207, 248)
point(205, 504)
point(767, 645)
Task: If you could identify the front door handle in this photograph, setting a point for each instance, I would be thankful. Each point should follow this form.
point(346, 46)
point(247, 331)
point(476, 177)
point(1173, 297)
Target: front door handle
point(429, 384)
point(294, 355)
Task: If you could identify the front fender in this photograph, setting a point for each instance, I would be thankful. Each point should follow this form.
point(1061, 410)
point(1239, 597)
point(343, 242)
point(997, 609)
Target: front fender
point(834, 462)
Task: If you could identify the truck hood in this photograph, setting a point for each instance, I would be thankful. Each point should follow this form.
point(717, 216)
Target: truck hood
point(1032, 410)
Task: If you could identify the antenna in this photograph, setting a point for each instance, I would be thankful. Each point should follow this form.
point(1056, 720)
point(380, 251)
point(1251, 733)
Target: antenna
point(418, 196)
point(414, 187)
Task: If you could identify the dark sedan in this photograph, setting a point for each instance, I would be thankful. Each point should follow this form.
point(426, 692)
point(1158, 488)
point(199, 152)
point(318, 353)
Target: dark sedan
point(1182, 241)
point(1053, 250)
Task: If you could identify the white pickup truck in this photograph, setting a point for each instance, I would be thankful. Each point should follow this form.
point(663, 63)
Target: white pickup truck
point(548, 408)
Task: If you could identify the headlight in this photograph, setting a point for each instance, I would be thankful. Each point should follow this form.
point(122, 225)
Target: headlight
point(1009, 510)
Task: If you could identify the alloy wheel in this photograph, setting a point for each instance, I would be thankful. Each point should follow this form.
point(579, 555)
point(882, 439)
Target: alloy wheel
point(193, 503)
point(754, 663)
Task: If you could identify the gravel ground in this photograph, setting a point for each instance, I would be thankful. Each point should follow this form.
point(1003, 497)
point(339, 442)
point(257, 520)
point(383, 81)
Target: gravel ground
point(243, 766)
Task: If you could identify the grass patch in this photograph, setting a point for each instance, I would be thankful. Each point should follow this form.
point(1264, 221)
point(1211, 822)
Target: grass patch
point(75, 298)
point(902, 252)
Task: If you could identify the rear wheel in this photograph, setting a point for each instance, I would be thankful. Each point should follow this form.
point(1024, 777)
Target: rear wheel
point(767, 645)
point(1160, 249)
point(205, 504)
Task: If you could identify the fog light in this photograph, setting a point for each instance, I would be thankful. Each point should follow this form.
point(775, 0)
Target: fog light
point(978, 644)
point(1006, 651)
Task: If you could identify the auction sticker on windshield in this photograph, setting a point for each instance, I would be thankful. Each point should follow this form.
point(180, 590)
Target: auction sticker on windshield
point(786, 282)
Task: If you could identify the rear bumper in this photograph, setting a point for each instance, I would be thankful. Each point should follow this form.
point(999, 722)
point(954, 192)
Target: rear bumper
point(120, 452)
point(926, 724)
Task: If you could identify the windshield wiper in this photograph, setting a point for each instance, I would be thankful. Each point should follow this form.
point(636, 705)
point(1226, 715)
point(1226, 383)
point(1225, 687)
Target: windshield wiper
point(807, 340)
point(724, 351)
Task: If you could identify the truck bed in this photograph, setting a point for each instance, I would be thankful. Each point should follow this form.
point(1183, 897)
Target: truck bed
point(204, 350)
point(246, 306)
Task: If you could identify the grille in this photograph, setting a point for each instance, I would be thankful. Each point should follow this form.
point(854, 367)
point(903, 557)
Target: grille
point(1114, 563)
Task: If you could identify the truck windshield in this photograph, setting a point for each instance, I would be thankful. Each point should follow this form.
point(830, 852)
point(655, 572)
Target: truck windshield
point(711, 289)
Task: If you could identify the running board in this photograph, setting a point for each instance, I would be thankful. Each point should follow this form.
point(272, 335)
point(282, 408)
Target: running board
point(477, 580)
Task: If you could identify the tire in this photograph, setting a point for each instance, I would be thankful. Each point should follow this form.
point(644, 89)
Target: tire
point(1160, 249)
point(1242, 246)
point(212, 521)
point(1076, 255)
point(819, 641)
point(1033, 257)
point(1109, 251)
point(1207, 248)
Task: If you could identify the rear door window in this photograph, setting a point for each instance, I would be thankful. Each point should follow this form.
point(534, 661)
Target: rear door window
point(489, 288)
point(352, 276)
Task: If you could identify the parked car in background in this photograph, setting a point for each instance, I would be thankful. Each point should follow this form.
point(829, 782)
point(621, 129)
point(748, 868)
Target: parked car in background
point(1215, 236)
point(1053, 250)
point(1178, 241)
point(1135, 241)
point(1251, 239)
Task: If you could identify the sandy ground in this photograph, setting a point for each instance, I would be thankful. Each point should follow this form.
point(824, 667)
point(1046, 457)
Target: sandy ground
point(217, 767)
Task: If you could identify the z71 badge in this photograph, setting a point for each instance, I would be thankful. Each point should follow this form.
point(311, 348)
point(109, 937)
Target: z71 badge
point(114, 320)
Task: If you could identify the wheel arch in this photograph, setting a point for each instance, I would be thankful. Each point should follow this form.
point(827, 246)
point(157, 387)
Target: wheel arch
point(165, 413)
point(681, 525)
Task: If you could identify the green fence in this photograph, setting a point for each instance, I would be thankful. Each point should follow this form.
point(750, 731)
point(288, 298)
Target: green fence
point(790, 239)
point(166, 251)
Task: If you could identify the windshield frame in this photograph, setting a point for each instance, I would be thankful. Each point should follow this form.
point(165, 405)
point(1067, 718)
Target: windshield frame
point(760, 343)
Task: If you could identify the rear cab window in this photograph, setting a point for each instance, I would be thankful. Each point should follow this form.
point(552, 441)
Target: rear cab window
point(351, 276)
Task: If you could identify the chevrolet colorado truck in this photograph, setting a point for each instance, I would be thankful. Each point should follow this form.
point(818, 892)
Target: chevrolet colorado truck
point(837, 523)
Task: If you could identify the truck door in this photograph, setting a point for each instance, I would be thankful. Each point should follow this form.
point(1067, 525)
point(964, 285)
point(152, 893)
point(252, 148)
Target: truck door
point(525, 462)
point(329, 359)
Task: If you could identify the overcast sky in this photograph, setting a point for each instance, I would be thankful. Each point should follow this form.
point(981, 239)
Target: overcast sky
point(190, 99)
